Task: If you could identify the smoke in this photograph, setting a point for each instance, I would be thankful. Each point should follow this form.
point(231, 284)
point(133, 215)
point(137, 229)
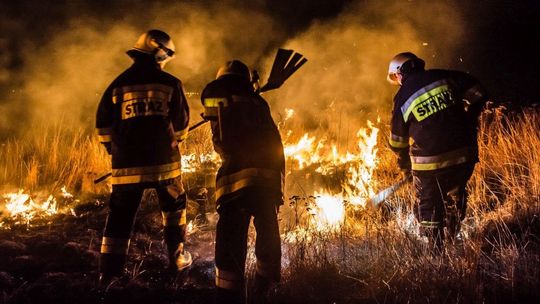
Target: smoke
point(344, 82)
point(59, 71)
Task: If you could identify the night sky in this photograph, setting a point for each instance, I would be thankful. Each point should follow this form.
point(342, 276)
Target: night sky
point(501, 49)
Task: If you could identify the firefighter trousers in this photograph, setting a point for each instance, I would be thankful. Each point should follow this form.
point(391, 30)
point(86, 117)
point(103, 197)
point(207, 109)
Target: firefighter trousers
point(441, 200)
point(123, 206)
point(231, 243)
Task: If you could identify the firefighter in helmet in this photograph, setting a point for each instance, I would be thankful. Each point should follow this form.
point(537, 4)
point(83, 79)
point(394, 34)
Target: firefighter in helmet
point(140, 120)
point(434, 133)
point(248, 183)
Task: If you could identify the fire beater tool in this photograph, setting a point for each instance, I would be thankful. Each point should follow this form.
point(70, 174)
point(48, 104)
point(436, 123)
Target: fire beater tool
point(286, 63)
point(380, 197)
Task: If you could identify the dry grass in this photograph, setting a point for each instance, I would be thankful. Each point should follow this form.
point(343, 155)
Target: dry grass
point(497, 260)
point(377, 257)
point(51, 157)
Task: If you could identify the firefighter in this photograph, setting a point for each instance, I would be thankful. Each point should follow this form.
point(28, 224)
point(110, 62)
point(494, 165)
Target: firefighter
point(434, 133)
point(248, 183)
point(141, 118)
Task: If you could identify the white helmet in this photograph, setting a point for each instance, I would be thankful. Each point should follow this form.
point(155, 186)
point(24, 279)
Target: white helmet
point(157, 43)
point(396, 66)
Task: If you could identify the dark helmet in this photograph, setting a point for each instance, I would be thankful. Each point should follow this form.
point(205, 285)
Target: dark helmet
point(156, 43)
point(234, 67)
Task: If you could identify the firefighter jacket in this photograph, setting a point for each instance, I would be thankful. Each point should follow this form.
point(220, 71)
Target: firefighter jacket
point(247, 139)
point(141, 117)
point(435, 120)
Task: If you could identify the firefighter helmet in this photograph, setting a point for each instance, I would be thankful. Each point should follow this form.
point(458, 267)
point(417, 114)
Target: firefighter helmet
point(403, 63)
point(157, 43)
point(234, 67)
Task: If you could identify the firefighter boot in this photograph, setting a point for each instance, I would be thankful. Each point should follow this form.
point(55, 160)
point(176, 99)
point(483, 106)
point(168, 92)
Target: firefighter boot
point(261, 290)
point(111, 268)
point(179, 259)
point(202, 199)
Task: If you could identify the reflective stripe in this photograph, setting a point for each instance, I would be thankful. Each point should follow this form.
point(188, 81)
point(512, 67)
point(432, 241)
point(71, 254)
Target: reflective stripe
point(428, 100)
point(145, 174)
point(399, 142)
point(153, 90)
point(174, 218)
point(182, 134)
point(429, 224)
point(246, 178)
point(268, 270)
point(474, 94)
point(114, 245)
point(104, 138)
point(456, 157)
point(228, 279)
point(214, 102)
point(104, 134)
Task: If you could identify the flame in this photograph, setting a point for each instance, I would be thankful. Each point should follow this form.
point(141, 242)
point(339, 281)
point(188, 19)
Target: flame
point(22, 208)
point(21, 205)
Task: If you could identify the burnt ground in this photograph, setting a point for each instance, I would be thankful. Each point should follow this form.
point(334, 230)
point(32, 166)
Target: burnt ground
point(55, 260)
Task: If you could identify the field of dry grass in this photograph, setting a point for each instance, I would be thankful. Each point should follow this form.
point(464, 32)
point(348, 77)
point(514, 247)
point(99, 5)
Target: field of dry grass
point(376, 256)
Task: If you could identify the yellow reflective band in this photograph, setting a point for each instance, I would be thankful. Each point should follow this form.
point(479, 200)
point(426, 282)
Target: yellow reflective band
point(428, 100)
point(182, 134)
point(268, 270)
point(214, 102)
point(474, 94)
point(248, 178)
point(174, 218)
point(145, 174)
point(228, 279)
point(455, 157)
point(398, 144)
point(104, 138)
point(151, 90)
point(428, 224)
point(114, 245)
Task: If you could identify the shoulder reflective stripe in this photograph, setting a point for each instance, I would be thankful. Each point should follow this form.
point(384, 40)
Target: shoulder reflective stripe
point(182, 134)
point(145, 174)
point(455, 157)
point(228, 279)
point(398, 141)
point(118, 93)
point(474, 94)
point(114, 245)
point(214, 102)
point(422, 95)
point(268, 270)
point(429, 224)
point(174, 218)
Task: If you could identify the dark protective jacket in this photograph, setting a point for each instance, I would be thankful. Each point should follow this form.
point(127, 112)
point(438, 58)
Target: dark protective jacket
point(141, 117)
point(436, 113)
point(247, 139)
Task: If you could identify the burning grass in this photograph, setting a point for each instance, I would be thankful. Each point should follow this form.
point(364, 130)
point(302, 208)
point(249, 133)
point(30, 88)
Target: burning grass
point(335, 247)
